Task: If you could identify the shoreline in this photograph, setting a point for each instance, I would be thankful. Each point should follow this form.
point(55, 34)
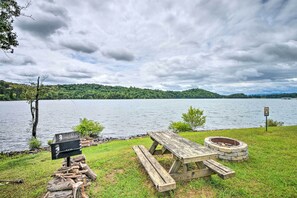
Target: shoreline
point(101, 140)
point(98, 140)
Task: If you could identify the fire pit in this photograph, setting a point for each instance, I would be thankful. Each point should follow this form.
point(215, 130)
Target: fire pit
point(228, 149)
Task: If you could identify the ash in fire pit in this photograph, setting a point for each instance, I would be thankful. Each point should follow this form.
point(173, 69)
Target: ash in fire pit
point(225, 142)
point(228, 149)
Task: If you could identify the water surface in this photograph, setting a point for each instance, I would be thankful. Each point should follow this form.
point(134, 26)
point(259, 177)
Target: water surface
point(123, 118)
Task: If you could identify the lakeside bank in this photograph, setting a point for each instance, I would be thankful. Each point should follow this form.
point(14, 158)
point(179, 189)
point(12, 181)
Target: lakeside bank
point(121, 175)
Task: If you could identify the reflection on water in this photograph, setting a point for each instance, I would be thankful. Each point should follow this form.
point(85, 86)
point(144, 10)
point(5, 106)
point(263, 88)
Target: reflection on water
point(123, 118)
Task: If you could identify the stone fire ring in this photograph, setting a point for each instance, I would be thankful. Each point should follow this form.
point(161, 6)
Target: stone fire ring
point(228, 149)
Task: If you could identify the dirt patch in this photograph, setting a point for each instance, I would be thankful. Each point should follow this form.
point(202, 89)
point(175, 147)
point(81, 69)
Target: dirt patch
point(111, 177)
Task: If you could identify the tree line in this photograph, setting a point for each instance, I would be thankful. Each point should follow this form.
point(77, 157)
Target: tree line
point(13, 91)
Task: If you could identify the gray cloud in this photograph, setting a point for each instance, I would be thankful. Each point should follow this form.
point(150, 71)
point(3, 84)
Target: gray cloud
point(80, 46)
point(42, 27)
point(120, 54)
point(54, 10)
point(47, 18)
point(17, 61)
point(283, 51)
point(222, 46)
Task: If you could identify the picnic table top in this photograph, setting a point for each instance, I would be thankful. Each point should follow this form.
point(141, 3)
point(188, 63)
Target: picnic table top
point(184, 149)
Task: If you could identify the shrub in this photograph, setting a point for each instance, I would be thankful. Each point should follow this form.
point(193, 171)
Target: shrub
point(88, 128)
point(179, 126)
point(49, 142)
point(194, 117)
point(34, 143)
point(273, 123)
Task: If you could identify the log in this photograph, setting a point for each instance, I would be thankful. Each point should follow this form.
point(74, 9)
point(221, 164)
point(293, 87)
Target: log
point(69, 176)
point(64, 165)
point(61, 194)
point(83, 171)
point(47, 194)
point(16, 181)
point(84, 195)
point(58, 184)
point(77, 190)
point(89, 173)
point(64, 169)
point(75, 167)
point(79, 158)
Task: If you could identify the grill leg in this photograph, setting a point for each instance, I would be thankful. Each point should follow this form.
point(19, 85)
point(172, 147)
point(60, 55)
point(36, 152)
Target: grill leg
point(68, 162)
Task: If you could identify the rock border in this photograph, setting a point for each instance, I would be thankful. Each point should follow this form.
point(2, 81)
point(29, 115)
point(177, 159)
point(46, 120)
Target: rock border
point(229, 153)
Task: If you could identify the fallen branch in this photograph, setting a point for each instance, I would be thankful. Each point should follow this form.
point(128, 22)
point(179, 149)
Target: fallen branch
point(17, 181)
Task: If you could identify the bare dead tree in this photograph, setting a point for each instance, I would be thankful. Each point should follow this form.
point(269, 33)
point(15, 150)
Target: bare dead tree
point(33, 94)
point(35, 110)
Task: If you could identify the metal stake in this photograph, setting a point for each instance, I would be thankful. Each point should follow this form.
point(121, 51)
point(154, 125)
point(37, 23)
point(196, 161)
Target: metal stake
point(266, 123)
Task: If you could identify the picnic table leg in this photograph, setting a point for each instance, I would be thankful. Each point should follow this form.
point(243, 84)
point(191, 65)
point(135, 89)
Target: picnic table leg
point(153, 147)
point(175, 166)
point(200, 165)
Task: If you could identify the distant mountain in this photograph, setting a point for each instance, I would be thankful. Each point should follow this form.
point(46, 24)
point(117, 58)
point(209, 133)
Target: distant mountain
point(14, 91)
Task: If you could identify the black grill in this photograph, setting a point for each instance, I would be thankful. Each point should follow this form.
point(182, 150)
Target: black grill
point(65, 145)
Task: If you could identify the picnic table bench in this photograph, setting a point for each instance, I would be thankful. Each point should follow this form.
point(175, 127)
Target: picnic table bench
point(191, 160)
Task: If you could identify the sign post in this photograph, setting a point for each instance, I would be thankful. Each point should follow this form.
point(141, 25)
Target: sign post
point(266, 114)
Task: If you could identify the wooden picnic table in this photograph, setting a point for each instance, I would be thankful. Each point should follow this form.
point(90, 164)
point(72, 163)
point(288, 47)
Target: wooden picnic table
point(184, 153)
point(191, 160)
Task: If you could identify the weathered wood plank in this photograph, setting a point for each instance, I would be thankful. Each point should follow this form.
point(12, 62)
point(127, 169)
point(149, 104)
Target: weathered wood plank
point(167, 143)
point(153, 147)
point(164, 150)
point(191, 174)
point(161, 179)
point(182, 148)
point(222, 171)
point(191, 148)
point(162, 172)
point(157, 180)
point(175, 166)
point(200, 165)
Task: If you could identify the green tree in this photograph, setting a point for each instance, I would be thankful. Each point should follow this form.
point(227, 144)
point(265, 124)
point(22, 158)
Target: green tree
point(194, 117)
point(88, 128)
point(9, 9)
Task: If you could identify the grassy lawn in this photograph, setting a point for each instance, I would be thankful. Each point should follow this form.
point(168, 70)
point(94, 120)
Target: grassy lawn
point(271, 170)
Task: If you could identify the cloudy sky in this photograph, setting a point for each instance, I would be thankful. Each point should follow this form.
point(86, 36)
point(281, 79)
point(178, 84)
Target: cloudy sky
point(225, 46)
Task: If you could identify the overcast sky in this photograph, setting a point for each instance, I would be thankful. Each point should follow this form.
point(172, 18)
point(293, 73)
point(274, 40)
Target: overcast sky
point(224, 46)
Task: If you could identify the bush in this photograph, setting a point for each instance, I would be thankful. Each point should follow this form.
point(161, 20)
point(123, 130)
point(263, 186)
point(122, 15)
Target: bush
point(179, 126)
point(194, 117)
point(34, 143)
point(49, 142)
point(88, 128)
point(273, 123)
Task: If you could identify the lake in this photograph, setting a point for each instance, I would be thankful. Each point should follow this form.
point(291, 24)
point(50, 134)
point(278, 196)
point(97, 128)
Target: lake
point(124, 118)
